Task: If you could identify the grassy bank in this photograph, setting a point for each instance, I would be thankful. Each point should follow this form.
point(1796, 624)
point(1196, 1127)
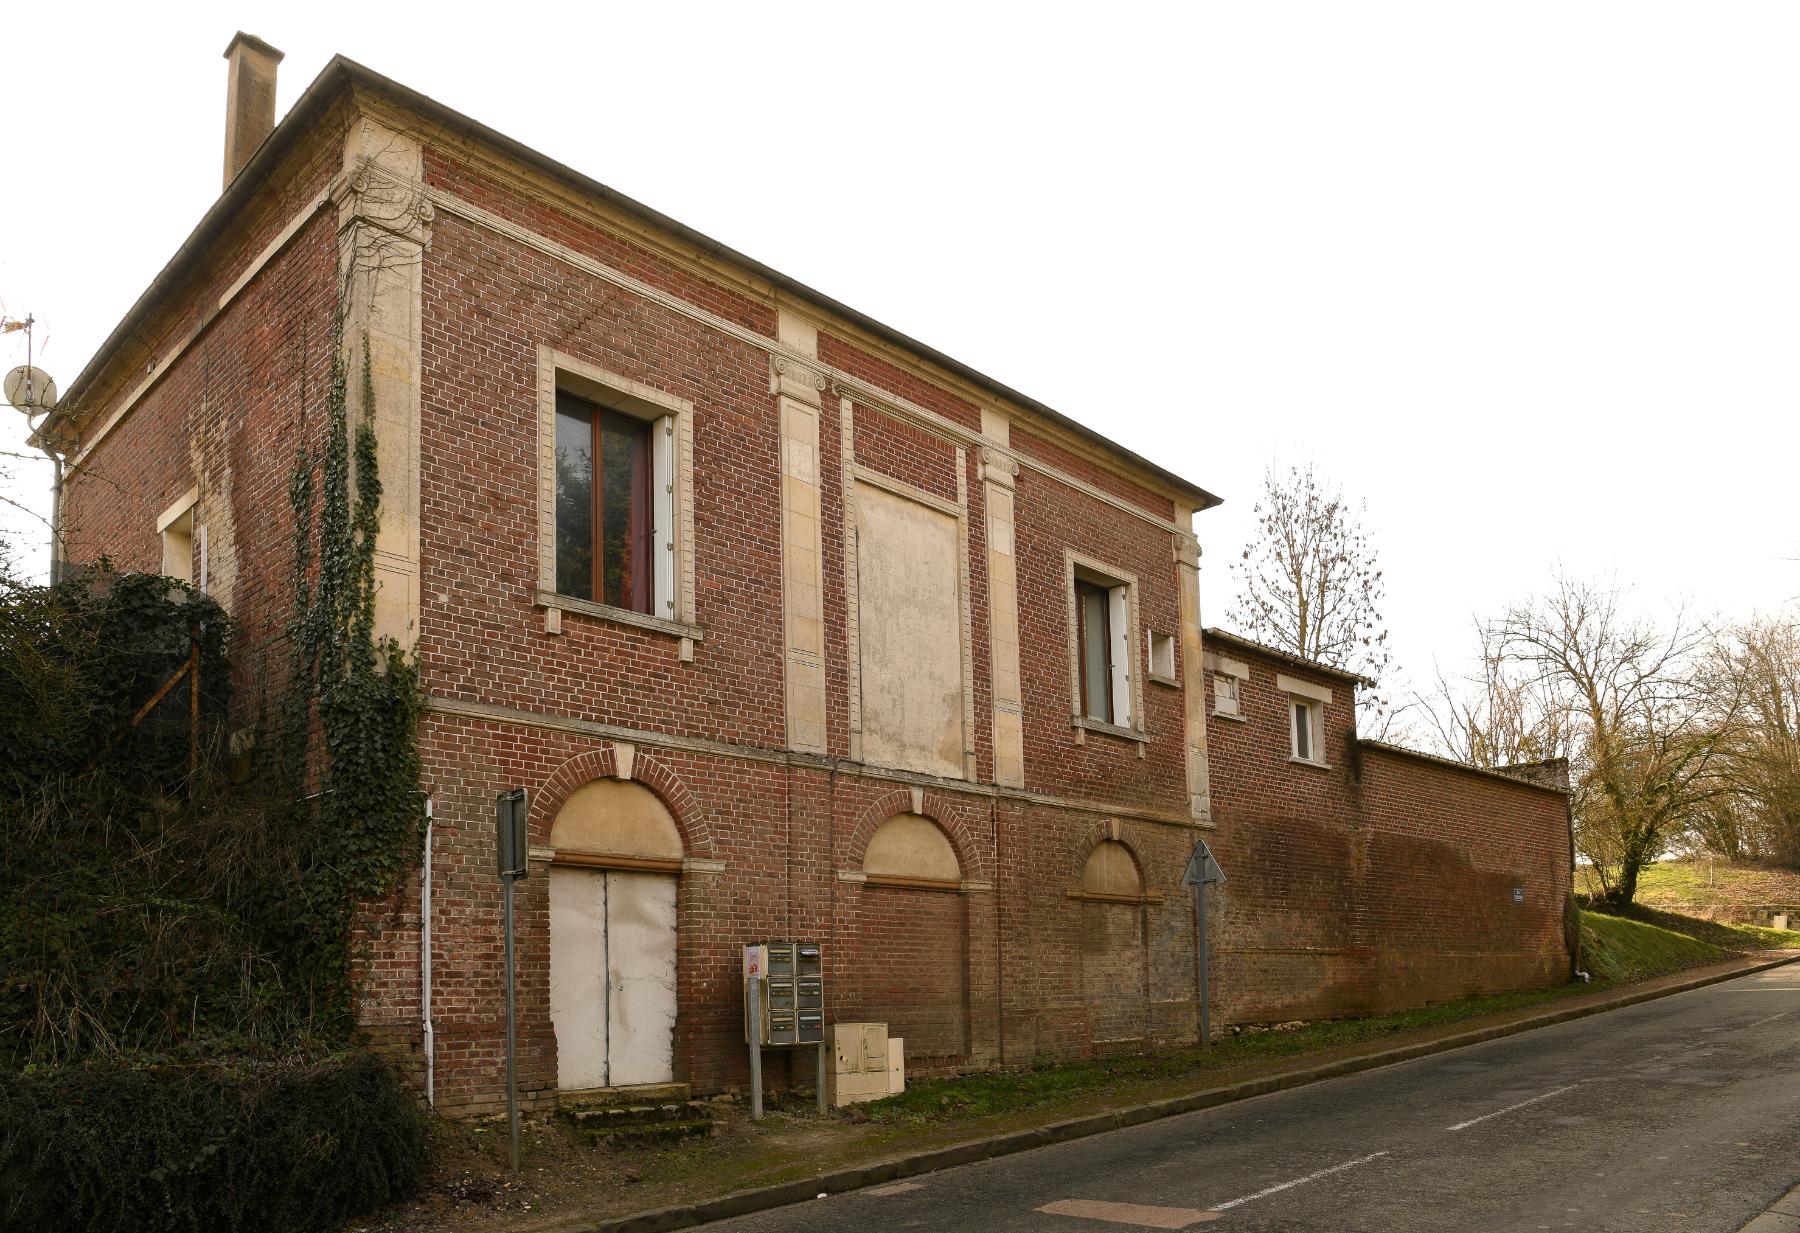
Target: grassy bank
point(1618, 949)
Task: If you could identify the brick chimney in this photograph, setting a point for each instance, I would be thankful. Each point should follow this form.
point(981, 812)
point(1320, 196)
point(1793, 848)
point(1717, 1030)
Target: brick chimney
point(249, 100)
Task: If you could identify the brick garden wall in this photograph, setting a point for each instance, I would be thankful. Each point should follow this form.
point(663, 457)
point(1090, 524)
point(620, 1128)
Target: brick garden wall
point(1380, 881)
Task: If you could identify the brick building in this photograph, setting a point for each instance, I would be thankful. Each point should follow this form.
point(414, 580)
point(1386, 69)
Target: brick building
point(790, 625)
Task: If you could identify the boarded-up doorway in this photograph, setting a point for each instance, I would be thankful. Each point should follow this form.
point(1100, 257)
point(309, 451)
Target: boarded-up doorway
point(612, 976)
point(613, 937)
point(1114, 974)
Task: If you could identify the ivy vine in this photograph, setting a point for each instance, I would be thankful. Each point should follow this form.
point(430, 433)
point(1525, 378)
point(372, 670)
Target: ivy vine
point(351, 711)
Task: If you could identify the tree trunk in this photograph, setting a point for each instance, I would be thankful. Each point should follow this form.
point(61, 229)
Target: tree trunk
point(1625, 890)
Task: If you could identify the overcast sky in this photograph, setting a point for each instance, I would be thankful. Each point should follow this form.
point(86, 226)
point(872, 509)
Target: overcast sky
point(1523, 277)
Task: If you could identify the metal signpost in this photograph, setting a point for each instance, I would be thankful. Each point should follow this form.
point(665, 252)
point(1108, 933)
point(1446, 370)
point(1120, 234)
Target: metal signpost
point(515, 863)
point(1203, 871)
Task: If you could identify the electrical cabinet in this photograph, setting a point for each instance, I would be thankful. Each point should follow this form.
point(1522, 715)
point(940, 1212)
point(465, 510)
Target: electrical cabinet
point(784, 993)
point(866, 1063)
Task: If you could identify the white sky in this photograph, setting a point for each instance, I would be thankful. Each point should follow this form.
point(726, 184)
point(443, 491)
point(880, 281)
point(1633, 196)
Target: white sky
point(1524, 277)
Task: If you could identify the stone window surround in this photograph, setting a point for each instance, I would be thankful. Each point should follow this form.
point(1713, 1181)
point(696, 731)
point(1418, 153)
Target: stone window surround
point(1162, 678)
point(560, 371)
point(1318, 698)
point(1238, 671)
point(182, 507)
point(1090, 569)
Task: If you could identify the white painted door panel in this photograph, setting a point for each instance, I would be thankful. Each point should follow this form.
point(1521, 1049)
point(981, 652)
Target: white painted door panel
point(640, 966)
point(578, 975)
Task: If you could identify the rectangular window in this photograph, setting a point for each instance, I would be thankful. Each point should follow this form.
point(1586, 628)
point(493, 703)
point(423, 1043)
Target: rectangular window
point(176, 526)
point(1305, 730)
point(605, 528)
point(1103, 651)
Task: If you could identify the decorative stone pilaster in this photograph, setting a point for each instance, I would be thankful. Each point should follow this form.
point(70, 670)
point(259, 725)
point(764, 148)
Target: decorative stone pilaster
point(999, 477)
point(799, 391)
point(384, 226)
point(1193, 671)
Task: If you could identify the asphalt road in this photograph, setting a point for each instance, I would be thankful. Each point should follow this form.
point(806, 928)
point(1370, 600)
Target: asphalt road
point(1677, 1114)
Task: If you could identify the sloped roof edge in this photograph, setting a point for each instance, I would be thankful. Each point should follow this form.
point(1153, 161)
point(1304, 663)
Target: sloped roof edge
point(342, 73)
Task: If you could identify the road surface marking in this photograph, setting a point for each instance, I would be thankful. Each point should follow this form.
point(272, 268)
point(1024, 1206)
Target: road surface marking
point(896, 1188)
point(1781, 1014)
point(1129, 1213)
point(1298, 1181)
point(1510, 1108)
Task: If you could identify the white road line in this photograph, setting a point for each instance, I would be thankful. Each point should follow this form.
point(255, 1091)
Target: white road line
point(1298, 1181)
point(1782, 1014)
point(1510, 1108)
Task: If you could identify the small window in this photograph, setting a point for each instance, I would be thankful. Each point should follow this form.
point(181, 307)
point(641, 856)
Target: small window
point(178, 548)
point(1162, 656)
point(606, 525)
point(1305, 729)
point(176, 527)
point(1225, 694)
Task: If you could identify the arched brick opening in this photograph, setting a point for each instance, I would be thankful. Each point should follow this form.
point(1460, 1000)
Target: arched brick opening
point(1113, 946)
point(645, 768)
point(912, 928)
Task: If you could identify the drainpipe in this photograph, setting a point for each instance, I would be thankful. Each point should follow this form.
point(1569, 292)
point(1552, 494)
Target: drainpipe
point(425, 963)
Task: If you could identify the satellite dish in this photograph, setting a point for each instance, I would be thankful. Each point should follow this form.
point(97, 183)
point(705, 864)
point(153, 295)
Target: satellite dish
point(30, 390)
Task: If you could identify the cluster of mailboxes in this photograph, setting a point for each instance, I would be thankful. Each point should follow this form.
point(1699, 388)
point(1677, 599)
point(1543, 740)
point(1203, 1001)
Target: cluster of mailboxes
point(784, 993)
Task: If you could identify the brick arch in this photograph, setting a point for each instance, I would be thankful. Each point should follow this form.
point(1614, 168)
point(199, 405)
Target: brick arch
point(943, 810)
point(1106, 834)
point(648, 770)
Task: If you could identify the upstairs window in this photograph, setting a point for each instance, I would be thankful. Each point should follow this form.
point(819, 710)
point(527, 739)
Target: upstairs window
point(176, 529)
point(1305, 728)
point(607, 506)
point(1103, 651)
point(1306, 717)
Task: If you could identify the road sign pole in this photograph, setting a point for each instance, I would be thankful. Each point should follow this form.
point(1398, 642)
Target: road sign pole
point(755, 1035)
point(512, 1052)
point(1201, 958)
point(1202, 869)
point(512, 847)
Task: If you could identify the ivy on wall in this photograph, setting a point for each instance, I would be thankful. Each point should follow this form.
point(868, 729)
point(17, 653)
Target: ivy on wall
point(350, 715)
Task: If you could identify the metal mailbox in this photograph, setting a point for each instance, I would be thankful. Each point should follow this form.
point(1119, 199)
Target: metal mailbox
point(784, 994)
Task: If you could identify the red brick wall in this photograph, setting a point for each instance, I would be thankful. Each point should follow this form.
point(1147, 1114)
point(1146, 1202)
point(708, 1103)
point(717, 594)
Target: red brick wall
point(1378, 882)
point(911, 971)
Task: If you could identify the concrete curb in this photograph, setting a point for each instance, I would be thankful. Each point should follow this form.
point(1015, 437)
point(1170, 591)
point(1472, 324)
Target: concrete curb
point(1781, 1216)
point(855, 1177)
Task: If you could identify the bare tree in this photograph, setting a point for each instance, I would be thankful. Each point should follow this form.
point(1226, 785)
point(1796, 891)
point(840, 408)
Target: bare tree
point(1754, 672)
point(1308, 583)
point(1648, 750)
point(1497, 715)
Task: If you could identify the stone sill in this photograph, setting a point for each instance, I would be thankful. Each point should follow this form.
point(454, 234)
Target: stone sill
point(1156, 678)
point(1317, 766)
point(1094, 725)
point(1236, 717)
point(619, 616)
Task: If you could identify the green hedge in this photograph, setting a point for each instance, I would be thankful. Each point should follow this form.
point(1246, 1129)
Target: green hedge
point(276, 1147)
